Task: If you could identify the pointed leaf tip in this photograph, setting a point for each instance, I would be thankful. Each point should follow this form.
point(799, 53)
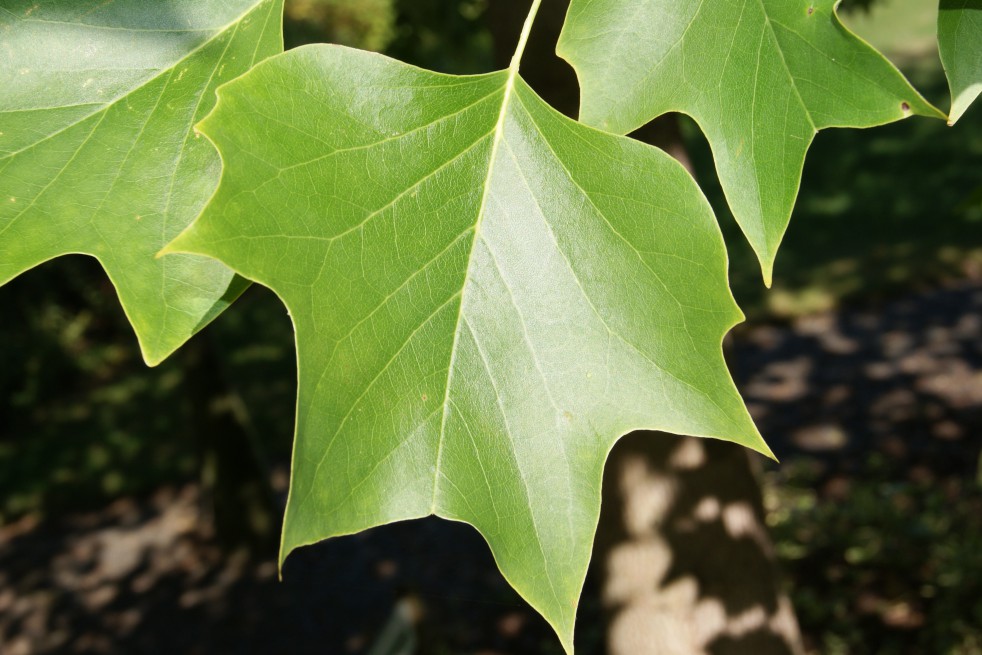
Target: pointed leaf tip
point(960, 46)
point(111, 168)
point(770, 64)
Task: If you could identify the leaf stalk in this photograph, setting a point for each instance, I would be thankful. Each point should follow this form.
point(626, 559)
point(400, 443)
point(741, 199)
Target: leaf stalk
point(523, 39)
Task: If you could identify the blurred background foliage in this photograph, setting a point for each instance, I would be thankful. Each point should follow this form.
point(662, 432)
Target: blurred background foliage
point(366, 24)
point(450, 36)
point(885, 565)
point(882, 213)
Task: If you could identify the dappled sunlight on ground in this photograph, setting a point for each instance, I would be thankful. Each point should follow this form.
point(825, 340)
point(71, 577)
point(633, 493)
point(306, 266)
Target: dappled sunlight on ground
point(877, 508)
point(875, 511)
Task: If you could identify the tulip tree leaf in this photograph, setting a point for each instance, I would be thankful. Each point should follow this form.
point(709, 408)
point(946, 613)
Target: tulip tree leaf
point(97, 150)
point(760, 77)
point(486, 295)
point(960, 42)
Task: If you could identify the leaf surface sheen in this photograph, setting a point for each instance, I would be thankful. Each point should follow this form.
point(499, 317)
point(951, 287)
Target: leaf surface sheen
point(960, 43)
point(760, 77)
point(486, 295)
point(97, 150)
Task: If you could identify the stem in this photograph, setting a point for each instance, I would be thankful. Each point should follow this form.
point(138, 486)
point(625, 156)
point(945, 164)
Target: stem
point(524, 38)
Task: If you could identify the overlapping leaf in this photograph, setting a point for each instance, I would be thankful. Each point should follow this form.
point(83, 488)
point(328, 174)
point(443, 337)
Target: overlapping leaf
point(761, 77)
point(486, 295)
point(97, 151)
point(960, 42)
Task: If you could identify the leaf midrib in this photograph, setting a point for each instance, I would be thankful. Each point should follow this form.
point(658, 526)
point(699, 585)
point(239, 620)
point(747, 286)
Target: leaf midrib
point(499, 130)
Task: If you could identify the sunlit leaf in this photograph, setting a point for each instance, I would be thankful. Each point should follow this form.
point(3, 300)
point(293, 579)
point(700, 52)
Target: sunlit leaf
point(760, 77)
point(486, 295)
point(97, 151)
point(960, 42)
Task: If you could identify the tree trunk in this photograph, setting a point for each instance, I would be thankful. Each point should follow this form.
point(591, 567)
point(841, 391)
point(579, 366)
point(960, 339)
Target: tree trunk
point(682, 555)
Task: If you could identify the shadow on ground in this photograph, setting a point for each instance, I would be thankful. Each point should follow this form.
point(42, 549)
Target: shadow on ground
point(876, 515)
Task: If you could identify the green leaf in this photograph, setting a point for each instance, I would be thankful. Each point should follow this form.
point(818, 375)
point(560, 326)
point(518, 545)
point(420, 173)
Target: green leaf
point(486, 295)
point(97, 151)
point(760, 77)
point(960, 42)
